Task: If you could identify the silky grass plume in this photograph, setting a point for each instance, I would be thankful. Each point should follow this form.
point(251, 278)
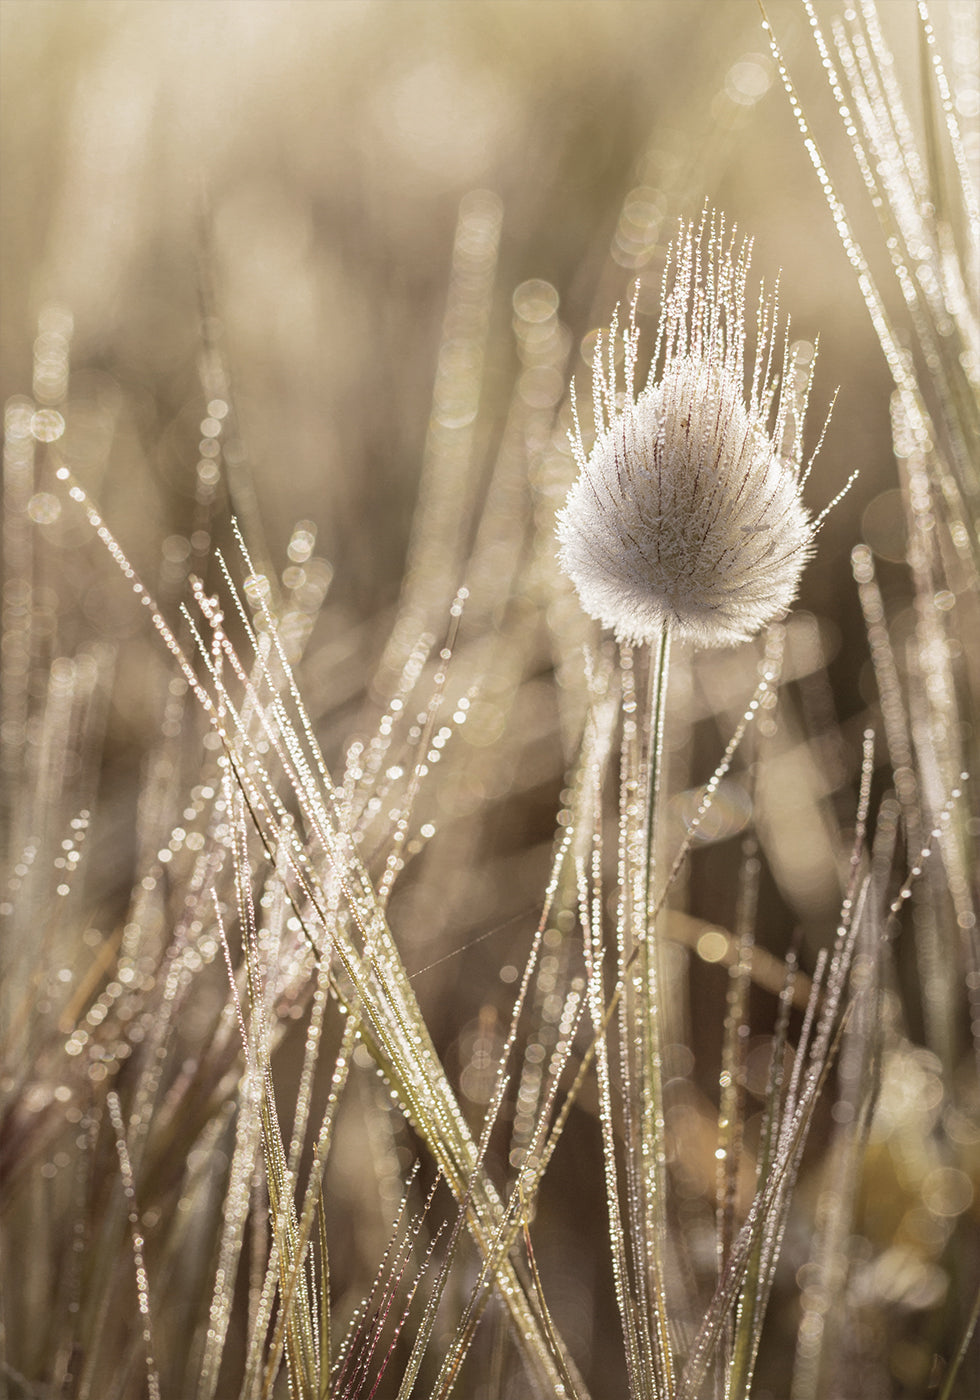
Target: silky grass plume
point(688, 510)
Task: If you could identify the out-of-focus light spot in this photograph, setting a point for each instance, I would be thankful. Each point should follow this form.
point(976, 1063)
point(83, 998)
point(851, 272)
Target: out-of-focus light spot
point(638, 231)
point(947, 1191)
point(678, 1061)
point(712, 946)
point(900, 1276)
point(535, 300)
point(961, 1127)
point(43, 508)
point(911, 1093)
point(883, 526)
point(175, 549)
point(303, 541)
point(542, 386)
point(257, 589)
point(749, 79)
point(47, 425)
point(968, 103)
point(18, 416)
point(728, 814)
point(55, 320)
point(587, 348)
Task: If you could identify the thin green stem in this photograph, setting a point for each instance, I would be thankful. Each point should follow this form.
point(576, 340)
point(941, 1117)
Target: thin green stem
point(950, 1380)
point(658, 712)
point(653, 1137)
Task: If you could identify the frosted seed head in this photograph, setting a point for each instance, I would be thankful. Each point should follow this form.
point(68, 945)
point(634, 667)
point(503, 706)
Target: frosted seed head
point(688, 507)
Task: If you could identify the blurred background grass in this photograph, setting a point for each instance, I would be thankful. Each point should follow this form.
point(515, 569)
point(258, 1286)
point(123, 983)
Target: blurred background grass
point(310, 158)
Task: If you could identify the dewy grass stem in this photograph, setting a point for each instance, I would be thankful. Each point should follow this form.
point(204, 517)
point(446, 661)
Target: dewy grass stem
point(653, 1130)
point(659, 670)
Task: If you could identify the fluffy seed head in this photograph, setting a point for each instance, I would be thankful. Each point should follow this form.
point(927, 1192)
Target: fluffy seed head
point(688, 506)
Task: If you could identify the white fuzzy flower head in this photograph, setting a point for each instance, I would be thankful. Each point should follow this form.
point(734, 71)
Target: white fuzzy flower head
point(688, 508)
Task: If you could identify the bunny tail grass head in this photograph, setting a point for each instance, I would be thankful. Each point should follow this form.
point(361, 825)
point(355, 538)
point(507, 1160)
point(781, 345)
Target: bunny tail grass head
point(688, 508)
